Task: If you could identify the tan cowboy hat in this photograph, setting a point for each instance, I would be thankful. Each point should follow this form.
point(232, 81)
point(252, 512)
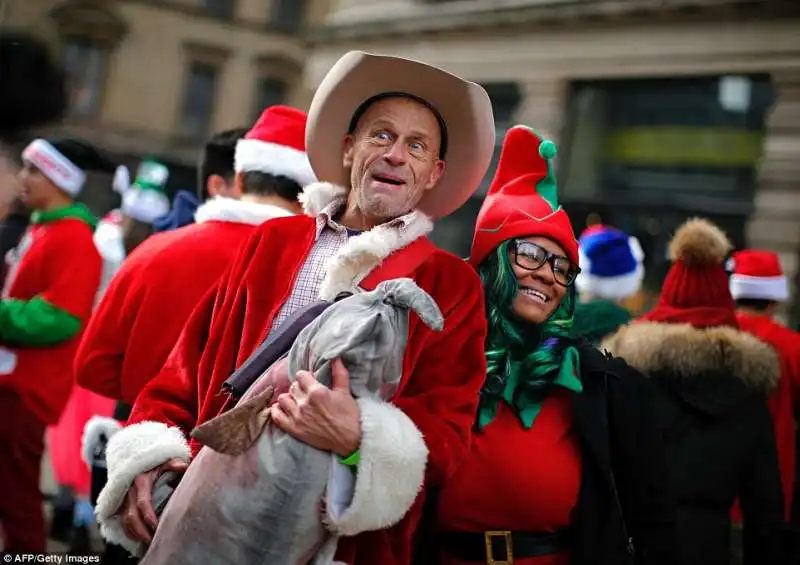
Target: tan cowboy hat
point(464, 108)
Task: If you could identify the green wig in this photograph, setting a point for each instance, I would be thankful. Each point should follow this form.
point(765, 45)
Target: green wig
point(524, 361)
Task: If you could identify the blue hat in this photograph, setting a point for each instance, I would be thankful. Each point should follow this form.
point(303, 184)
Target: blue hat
point(611, 263)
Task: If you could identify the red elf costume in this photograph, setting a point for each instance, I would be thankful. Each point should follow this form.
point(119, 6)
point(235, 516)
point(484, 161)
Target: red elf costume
point(757, 276)
point(53, 278)
point(419, 438)
point(149, 300)
point(537, 487)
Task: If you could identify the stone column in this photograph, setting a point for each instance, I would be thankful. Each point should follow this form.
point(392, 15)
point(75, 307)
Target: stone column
point(543, 105)
point(775, 222)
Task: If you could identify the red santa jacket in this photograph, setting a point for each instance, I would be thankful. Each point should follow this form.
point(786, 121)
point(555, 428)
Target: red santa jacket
point(50, 291)
point(149, 300)
point(420, 437)
point(783, 402)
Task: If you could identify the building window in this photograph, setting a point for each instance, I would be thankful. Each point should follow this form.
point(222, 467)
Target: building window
point(198, 101)
point(85, 64)
point(220, 8)
point(270, 91)
point(288, 15)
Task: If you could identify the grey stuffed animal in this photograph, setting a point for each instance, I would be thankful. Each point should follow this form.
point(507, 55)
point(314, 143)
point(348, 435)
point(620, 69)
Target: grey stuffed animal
point(256, 496)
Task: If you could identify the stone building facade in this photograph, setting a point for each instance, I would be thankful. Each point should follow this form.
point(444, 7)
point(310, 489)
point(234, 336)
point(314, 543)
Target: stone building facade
point(153, 78)
point(661, 109)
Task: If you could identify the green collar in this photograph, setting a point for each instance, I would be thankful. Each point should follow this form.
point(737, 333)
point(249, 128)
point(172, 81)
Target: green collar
point(526, 407)
point(77, 211)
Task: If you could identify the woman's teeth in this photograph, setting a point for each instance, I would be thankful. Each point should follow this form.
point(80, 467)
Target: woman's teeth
point(535, 294)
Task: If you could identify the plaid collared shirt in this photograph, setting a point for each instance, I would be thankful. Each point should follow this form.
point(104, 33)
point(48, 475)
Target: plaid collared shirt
point(331, 237)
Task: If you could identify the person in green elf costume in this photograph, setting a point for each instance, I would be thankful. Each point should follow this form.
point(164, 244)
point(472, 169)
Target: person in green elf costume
point(54, 274)
point(565, 465)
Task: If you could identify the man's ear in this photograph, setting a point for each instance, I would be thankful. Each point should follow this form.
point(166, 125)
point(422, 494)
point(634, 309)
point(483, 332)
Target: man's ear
point(348, 148)
point(436, 174)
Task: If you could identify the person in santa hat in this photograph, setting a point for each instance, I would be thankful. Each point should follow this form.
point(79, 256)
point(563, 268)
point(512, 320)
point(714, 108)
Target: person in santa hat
point(540, 484)
point(712, 381)
point(379, 133)
point(48, 295)
point(759, 286)
point(610, 281)
point(172, 270)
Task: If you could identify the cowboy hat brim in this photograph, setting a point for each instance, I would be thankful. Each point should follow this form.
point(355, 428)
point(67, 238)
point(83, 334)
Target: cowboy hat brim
point(464, 107)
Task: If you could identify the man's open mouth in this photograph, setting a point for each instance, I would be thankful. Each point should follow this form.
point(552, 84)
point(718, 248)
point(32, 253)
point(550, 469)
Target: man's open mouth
point(388, 179)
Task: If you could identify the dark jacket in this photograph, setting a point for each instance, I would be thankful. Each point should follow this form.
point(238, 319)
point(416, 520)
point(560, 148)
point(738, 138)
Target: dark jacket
point(625, 513)
point(711, 404)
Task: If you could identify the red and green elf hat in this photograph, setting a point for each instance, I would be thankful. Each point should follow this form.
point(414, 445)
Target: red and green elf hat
point(522, 200)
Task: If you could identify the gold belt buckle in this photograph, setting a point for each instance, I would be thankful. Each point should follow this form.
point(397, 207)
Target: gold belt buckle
point(490, 560)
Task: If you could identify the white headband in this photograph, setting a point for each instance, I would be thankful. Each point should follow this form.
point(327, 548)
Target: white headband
point(65, 174)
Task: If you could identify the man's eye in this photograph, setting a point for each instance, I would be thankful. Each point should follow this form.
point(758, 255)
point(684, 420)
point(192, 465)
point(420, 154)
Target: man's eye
point(384, 135)
point(416, 146)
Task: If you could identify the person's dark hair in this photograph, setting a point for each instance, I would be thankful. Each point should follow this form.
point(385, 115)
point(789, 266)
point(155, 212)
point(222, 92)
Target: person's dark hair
point(217, 158)
point(265, 184)
point(33, 88)
point(85, 156)
point(757, 304)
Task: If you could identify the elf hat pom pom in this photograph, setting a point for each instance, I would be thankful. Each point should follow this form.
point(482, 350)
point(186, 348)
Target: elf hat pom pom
point(695, 290)
point(276, 144)
point(611, 263)
point(757, 275)
point(522, 200)
point(145, 200)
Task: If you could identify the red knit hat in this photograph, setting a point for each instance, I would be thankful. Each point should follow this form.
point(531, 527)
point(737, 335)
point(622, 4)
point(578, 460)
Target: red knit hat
point(276, 144)
point(758, 275)
point(522, 199)
point(696, 288)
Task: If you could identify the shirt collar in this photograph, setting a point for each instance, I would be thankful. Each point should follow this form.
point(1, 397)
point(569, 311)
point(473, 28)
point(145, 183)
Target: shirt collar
point(325, 218)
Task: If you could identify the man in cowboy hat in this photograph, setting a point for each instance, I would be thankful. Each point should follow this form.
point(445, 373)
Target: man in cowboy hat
point(380, 131)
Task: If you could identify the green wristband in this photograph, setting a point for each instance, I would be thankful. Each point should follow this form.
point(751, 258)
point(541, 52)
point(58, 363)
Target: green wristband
point(352, 459)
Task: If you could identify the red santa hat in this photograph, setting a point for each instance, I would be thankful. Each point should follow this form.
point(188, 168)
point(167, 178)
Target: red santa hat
point(276, 144)
point(695, 290)
point(757, 274)
point(522, 199)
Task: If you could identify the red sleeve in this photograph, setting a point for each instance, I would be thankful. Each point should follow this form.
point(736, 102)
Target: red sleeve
point(98, 361)
point(73, 268)
point(443, 387)
point(175, 395)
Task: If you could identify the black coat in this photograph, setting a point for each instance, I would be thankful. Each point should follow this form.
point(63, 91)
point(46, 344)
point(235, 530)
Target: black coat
point(625, 513)
point(711, 404)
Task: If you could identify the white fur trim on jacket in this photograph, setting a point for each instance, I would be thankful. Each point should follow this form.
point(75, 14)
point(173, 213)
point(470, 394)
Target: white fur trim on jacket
point(760, 288)
point(95, 428)
point(255, 155)
point(391, 471)
point(224, 209)
point(135, 449)
point(364, 252)
point(611, 288)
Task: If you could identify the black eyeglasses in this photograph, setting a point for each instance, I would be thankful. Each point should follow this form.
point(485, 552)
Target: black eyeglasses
point(531, 257)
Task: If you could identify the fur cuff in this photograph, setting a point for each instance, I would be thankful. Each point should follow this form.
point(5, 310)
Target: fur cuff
point(95, 428)
point(390, 473)
point(135, 449)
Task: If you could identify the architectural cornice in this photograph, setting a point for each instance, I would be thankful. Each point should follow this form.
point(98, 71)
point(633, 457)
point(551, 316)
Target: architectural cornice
point(96, 20)
point(437, 18)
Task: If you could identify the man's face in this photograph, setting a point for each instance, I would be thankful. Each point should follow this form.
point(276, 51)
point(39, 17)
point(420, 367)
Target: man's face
point(393, 157)
point(37, 189)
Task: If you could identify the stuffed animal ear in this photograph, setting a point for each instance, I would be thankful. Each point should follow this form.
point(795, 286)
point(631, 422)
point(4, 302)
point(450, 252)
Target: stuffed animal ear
point(236, 430)
point(406, 294)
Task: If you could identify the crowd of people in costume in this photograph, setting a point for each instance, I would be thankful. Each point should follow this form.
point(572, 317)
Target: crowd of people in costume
point(549, 420)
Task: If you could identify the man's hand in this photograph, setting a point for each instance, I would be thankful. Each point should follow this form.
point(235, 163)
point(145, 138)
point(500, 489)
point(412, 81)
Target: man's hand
point(138, 516)
point(327, 419)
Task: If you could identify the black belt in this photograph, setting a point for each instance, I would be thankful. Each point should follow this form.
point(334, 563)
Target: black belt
point(502, 547)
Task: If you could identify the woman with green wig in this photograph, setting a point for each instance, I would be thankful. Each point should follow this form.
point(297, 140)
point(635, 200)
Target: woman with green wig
point(566, 466)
